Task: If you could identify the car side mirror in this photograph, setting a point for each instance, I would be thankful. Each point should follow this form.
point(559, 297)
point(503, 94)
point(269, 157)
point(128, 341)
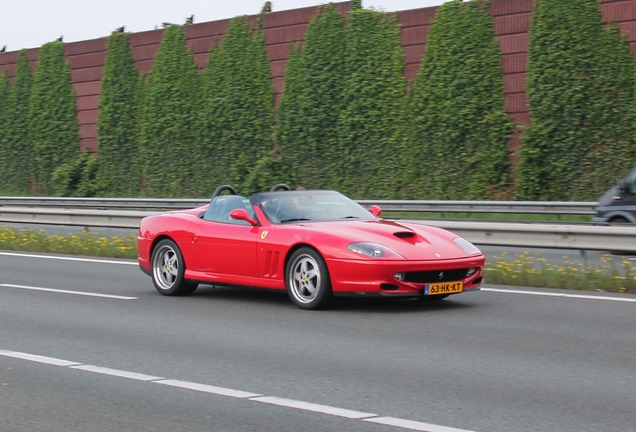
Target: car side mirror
point(241, 214)
point(375, 210)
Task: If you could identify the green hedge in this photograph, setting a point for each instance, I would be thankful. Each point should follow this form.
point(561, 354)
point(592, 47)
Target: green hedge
point(5, 88)
point(580, 86)
point(614, 151)
point(54, 129)
point(312, 103)
point(4, 125)
point(371, 124)
point(77, 177)
point(344, 121)
point(168, 121)
point(117, 124)
point(238, 108)
point(458, 126)
point(18, 151)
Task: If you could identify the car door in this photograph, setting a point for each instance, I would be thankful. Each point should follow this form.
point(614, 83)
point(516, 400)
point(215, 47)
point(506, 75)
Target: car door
point(225, 248)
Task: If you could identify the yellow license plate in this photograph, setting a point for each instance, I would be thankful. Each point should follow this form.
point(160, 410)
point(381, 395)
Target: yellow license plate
point(443, 288)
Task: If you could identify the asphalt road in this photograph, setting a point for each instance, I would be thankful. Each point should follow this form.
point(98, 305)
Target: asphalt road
point(126, 358)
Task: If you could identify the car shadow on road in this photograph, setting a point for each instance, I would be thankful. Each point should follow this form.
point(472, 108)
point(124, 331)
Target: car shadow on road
point(358, 304)
point(398, 305)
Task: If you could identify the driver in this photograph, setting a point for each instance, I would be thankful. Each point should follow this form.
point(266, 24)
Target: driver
point(293, 208)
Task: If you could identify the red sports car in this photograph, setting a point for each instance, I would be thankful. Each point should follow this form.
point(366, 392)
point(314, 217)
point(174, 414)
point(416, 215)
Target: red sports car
point(314, 244)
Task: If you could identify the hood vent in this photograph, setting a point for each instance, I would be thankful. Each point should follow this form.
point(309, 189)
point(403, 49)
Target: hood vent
point(404, 234)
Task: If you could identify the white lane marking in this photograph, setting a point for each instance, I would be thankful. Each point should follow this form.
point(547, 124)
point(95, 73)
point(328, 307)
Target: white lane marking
point(69, 258)
point(59, 291)
point(37, 358)
point(413, 425)
point(117, 373)
point(306, 406)
point(579, 296)
point(287, 403)
point(207, 389)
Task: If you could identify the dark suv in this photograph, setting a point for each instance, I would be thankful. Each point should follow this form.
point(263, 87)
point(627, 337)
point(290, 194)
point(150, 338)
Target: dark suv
point(618, 205)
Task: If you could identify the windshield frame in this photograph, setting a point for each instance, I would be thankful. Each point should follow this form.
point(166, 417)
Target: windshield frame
point(271, 204)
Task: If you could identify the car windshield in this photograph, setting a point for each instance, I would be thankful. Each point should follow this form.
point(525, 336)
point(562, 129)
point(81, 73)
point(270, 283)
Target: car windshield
point(631, 177)
point(310, 206)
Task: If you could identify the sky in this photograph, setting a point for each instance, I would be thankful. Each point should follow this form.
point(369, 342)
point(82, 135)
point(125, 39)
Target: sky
point(32, 23)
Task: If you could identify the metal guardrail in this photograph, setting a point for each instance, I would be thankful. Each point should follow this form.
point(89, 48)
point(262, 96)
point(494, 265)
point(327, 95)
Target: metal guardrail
point(74, 217)
point(417, 206)
point(515, 207)
point(102, 203)
point(543, 235)
point(532, 235)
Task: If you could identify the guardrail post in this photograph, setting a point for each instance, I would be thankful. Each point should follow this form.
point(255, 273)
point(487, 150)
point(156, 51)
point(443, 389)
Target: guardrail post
point(584, 259)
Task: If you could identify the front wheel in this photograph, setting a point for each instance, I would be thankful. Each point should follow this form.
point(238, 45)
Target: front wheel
point(307, 279)
point(168, 268)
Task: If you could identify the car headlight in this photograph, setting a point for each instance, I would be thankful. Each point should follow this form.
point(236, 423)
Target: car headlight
point(466, 246)
point(374, 250)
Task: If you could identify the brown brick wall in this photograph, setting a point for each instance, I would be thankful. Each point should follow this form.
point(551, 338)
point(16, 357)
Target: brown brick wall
point(282, 29)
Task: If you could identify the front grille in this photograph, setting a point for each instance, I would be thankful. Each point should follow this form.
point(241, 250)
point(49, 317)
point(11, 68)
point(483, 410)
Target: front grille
point(434, 276)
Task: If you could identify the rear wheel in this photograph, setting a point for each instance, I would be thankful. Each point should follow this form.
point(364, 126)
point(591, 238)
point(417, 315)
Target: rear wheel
point(168, 269)
point(307, 280)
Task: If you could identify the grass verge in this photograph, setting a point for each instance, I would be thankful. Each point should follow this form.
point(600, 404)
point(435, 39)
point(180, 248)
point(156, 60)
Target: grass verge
point(84, 243)
point(533, 270)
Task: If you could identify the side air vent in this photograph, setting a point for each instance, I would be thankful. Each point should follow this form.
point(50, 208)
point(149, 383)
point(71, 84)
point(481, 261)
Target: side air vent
point(404, 234)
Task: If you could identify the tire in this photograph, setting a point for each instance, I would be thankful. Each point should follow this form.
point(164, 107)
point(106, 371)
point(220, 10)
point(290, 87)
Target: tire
point(618, 220)
point(168, 268)
point(307, 280)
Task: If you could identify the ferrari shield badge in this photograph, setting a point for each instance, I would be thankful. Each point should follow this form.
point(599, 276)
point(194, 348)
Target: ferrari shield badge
point(264, 234)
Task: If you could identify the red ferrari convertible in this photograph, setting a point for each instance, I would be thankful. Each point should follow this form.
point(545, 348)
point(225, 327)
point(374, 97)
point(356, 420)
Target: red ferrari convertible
point(314, 244)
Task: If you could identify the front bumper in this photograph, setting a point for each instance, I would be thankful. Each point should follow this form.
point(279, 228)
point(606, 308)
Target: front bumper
point(349, 277)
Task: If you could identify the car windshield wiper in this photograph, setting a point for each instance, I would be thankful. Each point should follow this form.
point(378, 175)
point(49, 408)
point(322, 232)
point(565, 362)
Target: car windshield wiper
point(294, 220)
point(350, 217)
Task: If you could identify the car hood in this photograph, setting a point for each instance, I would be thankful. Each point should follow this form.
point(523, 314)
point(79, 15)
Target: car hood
point(608, 197)
point(411, 240)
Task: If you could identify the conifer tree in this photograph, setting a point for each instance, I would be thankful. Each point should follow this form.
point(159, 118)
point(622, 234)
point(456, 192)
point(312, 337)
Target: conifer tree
point(5, 87)
point(54, 129)
point(168, 119)
point(4, 141)
point(117, 124)
point(615, 150)
point(458, 126)
point(311, 104)
point(18, 153)
point(575, 71)
point(371, 124)
point(238, 107)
